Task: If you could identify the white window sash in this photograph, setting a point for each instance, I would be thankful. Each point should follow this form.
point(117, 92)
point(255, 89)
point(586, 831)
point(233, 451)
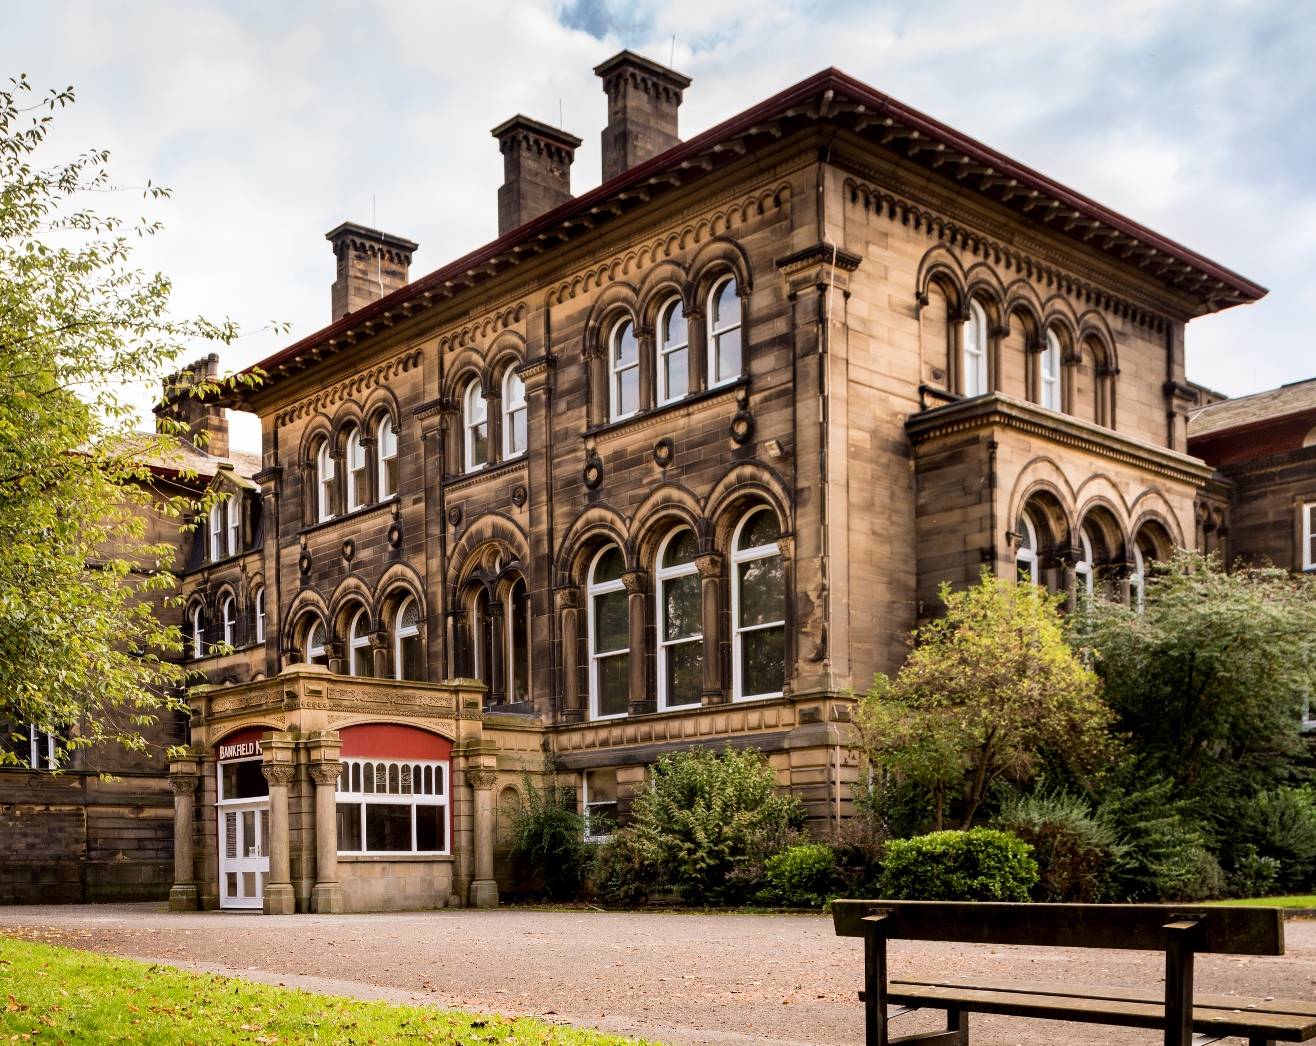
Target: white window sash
point(716, 333)
point(324, 483)
point(472, 422)
point(667, 349)
point(739, 631)
point(596, 655)
point(1308, 534)
point(347, 797)
point(260, 615)
point(666, 575)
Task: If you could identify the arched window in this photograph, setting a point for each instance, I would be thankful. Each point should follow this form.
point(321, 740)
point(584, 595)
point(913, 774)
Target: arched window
point(217, 531)
point(358, 492)
point(673, 352)
point(407, 661)
point(228, 615)
point(258, 603)
point(359, 661)
point(518, 641)
point(758, 607)
point(475, 426)
point(315, 653)
point(609, 636)
point(1051, 372)
point(324, 486)
point(724, 342)
point(1085, 568)
point(197, 622)
point(624, 371)
point(514, 414)
point(680, 622)
point(481, 642)
point(1026, 560)
point(386, 451)
point(975, 351)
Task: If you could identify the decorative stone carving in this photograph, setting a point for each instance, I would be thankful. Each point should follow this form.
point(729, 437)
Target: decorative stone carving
point(349, 550)
point(455, 516)
point(636, 581)
point(326, 773)
point(279, 773)
point(481, 779)
point(710, 564)
point(519, 495)
point(304, 563)
point(568, 597)
point(664, 450)
point(183, 784)
point(395, 534)
point(742, 427)
point(593, 472)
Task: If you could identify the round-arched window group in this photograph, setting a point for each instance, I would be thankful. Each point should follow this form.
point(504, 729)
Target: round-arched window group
point(391, 649)
point(495, 418)
point(223, 625)
point(368, 473)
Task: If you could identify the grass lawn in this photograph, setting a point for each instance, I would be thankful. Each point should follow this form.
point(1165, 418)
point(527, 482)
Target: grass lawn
point(53, 995)
point(1297, 901)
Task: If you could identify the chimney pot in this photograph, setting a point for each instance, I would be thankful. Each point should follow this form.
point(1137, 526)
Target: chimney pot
point(206, 420)
point(536, 170)
point(643, 98)
point(371, 264)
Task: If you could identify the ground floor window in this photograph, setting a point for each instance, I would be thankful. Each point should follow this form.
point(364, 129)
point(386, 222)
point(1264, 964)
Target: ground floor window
point(388, 806)
point(600, 802)
point(34, 748)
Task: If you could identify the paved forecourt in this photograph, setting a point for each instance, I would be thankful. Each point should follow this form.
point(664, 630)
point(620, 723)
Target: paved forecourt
point(680, 978)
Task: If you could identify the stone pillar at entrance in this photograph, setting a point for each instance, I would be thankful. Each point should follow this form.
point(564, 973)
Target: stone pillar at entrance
point(484, 890)
point(327, 896)
point(183, 894)
point(279, 771)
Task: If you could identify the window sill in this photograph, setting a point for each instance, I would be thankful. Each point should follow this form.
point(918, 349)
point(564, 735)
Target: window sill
point(491, 471)
point(729, 391)
point(393, 858)
point(349, 517)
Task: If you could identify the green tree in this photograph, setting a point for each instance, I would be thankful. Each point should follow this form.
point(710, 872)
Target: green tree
point(80, 648)
point(990, 689)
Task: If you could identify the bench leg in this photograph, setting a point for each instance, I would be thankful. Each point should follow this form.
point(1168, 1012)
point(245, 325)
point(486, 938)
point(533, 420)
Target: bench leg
point(1257, 1041)
point(958, 1021)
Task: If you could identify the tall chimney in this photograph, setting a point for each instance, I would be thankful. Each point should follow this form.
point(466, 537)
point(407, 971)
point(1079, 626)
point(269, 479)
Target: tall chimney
point(371, 264)
point(206, 420)
point(643, 97)
point(536, 170)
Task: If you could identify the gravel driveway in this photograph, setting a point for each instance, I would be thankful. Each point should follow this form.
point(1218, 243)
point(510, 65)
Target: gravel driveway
point(677, 978)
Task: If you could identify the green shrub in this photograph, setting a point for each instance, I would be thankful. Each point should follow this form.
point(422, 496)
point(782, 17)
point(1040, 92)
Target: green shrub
point(858, 843)
point(1254, 874)
point(982, 864)
point(548, 840)
point(1163, 854)
point(702, 814)
point(1072, 848)
point(1281, 824)
point(801, 876)
point(619, 873)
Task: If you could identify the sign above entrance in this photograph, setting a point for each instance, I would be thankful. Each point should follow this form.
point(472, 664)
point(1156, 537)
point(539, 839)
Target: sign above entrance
point(239, 751)
point(241, 744)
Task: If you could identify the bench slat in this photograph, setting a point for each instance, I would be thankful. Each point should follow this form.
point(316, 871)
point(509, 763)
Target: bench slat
point(1281, 1026)
point(1247, 1004)
point(1139, 927)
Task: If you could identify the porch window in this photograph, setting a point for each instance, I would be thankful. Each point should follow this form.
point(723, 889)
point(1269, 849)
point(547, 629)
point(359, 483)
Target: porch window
point(315, 644)
point(1026, 560)
point(390, 806)
point(1084, 568)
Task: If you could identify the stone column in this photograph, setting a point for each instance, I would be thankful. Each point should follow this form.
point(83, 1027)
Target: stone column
point(637, 593)
point(710, 583)
point(568, 602)
point(327, 896)
point(497, 654)
point(484, 890)
point(183, 893)
point(379, 655)
point(279, 772)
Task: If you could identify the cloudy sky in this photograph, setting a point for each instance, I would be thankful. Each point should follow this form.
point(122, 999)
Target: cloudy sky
point(274, 122)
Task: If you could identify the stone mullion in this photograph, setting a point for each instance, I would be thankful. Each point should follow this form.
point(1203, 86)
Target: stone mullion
point(459, 660)
point(497, 654)
point(636, 582)
point(697, 350)
point(568, 600)
point(484, 888)
point(712, 692)
point(648, 369)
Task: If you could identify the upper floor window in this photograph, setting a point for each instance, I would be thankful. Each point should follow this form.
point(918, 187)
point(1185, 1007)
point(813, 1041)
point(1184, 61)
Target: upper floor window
point(673, 352)
point(758, 607)
point(1027, 562)
point(1309, 536)
point(609, 636)
point(518, 641)
point(514, 414)
point(316, 652)
point(324, 482)
point(386, 451)
point(358, 493)
point(624, 371)
point(197, 628)
point(229, 616)
point(407, 662)
point(724, 342)
point(226, 527)
point(1051, 372)
point(258, 603)
point(358, 645)
point(975, 350)
point(680, 622)
point(475, 426)
point(217, 531)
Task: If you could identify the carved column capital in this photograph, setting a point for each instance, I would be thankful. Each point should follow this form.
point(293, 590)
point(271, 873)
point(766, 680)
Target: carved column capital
point(568, 597)
point(481, 779)
point(709, 564)
point(183, 784)
point(636, 581)
point(278, 773)
point(326, 773)
point(786, 543)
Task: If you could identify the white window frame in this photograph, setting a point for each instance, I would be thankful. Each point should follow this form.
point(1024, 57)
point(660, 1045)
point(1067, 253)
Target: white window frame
point(666, 349)
point(1084, 568)
point(617, 369)
point(386, 451)
point(228, 616)
point(1308, 534)
point(739, 556)
point(590, 835)
point(312, 649)
point(356, 470)
point(358, 642)
point(198, 631)
point(217, 531)
point(716, 333)
point(974, 355)
point(513, 652)
point(665, 575)
point(37, 741)
point(1028, 551)
point(512, 407)
point(473, 396)
point(258, 602)
point(324, 482)
point(346, 796)
point(1050, 366)
point(594, 589)
point(401, 632)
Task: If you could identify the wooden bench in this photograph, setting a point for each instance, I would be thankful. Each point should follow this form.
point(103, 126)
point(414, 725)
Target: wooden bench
point(1180, 931)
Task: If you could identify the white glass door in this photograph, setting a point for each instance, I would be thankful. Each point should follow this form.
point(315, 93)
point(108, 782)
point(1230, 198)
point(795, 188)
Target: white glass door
point(244, 854)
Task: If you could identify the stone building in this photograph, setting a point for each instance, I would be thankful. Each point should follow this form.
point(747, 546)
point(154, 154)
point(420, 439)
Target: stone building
point(677, 462)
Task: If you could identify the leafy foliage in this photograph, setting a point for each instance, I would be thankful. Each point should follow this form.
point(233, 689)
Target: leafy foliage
point(702, 813)
point(802, 876)
point(1281, 827)
point(992, 686)
point(1162, 853)
point(1073, 849)
point(620, 872)
point(548, 839)
point(80, 648)
point(982, 864)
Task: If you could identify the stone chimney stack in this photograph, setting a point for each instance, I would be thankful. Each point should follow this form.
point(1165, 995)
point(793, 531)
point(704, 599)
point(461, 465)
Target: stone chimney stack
point(536, 170)
point(643, 97)
point(206, 420)
point(371, 264)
